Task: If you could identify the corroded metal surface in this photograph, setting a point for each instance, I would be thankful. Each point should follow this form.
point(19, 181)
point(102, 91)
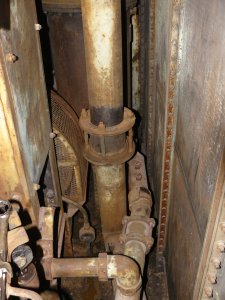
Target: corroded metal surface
point(212, 264)
point(27, 86)
point(111, 197)
point(68, 58)
point(159, 92)
point(199, 146)
point(169, 131)
point(102, 151)
point(68, 143)
point(183, 241)
point(136, 97)
point(61, 5)
point(103, 51)
point(149, 112)
point(25, 124)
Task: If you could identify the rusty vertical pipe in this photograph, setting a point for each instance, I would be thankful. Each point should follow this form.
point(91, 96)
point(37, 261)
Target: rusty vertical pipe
point(103, 52)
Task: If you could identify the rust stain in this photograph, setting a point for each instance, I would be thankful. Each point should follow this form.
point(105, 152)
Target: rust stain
point(169, 126)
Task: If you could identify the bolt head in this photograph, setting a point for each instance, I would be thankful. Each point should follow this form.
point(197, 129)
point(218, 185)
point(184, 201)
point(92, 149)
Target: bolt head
point(101, 125)
point(212, 278)
point(137, 165)
point(209, 291)
point(37, 26)
point(216, 262)
point(83, 113)
point(52, 135)
point(138, 177)
point(11, 58)
point(36, 186)
point(220, 246)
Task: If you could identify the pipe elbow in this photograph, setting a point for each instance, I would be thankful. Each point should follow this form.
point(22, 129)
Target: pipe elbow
point(22, 293)
point(126, 271)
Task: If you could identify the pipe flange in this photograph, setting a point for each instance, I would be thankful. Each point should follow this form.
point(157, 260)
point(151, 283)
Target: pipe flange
point(124, 126)
point(119, 157)
point(102, 267)
point(129, 233)
point(101, 132)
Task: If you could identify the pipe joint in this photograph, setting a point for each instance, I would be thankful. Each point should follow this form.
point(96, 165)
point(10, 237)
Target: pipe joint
point(102, 133)
point(126, 272)
point(137, 228)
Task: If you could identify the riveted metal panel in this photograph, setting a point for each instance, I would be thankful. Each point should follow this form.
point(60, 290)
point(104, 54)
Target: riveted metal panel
point(201, 90)
point(27, 86)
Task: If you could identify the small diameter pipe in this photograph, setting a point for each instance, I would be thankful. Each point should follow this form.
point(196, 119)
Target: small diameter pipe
point(80, 208)
point(119, 267)
point(22, 293)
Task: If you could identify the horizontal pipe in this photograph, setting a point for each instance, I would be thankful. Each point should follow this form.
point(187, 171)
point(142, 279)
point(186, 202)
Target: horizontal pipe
point(119, 267)
point(74, 267)
point(22, 293)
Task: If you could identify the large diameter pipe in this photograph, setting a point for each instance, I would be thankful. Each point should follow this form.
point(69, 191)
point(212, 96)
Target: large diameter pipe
point(110, 196)
point(103, 52)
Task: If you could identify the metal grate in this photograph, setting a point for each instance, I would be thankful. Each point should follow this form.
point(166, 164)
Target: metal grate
point(68, 144)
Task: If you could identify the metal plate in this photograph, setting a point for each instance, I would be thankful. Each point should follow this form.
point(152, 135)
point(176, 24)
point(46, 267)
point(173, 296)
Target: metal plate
point(184, 243)
point(27, 85)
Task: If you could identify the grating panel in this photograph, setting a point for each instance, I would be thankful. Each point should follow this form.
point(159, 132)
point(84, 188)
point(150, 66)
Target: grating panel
point(68, 141)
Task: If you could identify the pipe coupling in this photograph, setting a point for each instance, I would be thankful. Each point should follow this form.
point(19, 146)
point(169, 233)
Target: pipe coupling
point(138, 229)
point(102, 132)
point(102, 267)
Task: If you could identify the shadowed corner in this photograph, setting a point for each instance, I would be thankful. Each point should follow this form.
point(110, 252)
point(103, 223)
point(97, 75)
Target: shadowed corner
point(5, 14)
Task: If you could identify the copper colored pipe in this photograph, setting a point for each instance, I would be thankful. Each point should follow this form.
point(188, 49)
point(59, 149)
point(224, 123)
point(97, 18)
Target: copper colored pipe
point(74, 267)
point(119, 267)
point(103, 53)
point(23, 293)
